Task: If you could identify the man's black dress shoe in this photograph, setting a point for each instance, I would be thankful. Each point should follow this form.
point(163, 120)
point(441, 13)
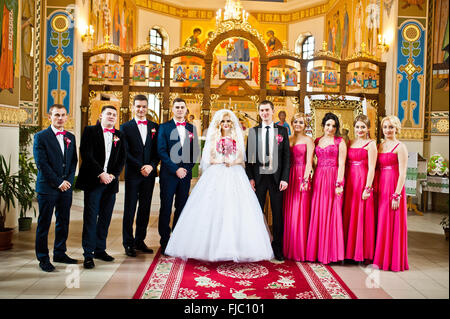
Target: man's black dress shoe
point(130, 251)
point(88, 263)
point(46, 266)
point(64, 259)
point(103, 256)
point(143, 247)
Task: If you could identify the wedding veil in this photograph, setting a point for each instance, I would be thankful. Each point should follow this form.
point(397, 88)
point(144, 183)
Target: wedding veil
point(214, 134)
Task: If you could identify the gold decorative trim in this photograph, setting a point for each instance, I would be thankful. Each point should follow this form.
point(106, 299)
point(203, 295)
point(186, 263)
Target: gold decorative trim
point(285, 51)
point(189, 50)
point(228, 25)
point(147, 47)
point(12, 116)
point(411, 134)
point(362, 53)
point(325, 53)
point(265, 17)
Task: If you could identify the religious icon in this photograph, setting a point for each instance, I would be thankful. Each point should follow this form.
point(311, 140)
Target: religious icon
point(154, 71)
point(180, 73)
point(330, 79)
point(139, 72)
point(290, 76)
point(193, 40)
point(235, 70)
point(195, 73)
point(276, 76)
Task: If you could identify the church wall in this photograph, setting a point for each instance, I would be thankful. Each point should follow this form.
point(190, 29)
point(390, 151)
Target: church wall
point(147, 20)
point(314, 26)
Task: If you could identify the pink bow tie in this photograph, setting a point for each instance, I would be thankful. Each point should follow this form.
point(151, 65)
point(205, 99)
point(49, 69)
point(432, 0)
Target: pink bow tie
point(111, 130)
point(142, 122)
point(182, 124)
point(61, 133)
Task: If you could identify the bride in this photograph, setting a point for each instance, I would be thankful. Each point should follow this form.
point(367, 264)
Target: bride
point(222, 219)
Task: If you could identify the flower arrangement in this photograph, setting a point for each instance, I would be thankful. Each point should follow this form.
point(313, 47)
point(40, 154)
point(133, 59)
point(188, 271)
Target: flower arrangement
point(279, 139)
point(116, 139)
point(437, 165)
point(226, 146)
point(68, 141)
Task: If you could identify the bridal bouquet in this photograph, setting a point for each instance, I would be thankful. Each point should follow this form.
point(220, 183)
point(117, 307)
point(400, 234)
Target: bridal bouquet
point(226, 146)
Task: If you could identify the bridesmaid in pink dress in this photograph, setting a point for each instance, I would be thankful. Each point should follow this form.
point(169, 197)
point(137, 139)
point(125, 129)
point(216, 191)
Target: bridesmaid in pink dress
point(359, 210)
point(325, 235)
point(391, 248)
point(297, 197)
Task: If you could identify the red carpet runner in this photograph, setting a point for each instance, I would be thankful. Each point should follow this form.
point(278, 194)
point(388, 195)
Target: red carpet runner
point(173, 278)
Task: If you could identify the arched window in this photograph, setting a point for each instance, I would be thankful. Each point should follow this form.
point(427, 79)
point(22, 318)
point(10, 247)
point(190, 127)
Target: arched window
point(156, 40)
point(308, 47)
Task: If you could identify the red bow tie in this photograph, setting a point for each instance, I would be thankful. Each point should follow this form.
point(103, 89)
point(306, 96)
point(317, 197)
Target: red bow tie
point(142, 122)
point(111, 130)
point(61, 132)
point(182, 124)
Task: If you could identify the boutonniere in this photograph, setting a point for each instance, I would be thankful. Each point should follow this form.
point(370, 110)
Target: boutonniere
point(191, 136)
point(153, 132)
point(116, 139)
point(68, 141)
point(279, 139)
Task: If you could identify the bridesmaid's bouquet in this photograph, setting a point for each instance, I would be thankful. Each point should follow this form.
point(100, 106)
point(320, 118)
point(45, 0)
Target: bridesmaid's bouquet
point(226, 146)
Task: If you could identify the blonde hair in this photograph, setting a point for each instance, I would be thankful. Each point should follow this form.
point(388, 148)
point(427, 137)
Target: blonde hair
point(364, 119)
point(297, 116)
point(394, 121)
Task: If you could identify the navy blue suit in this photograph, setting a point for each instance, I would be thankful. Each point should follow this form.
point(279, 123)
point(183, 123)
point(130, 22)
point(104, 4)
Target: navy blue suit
point(99, 199)
point(138, 187)
point(173, 156)
point(54, 167)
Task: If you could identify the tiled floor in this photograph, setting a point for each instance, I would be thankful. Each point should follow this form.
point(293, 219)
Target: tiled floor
point(20, 276)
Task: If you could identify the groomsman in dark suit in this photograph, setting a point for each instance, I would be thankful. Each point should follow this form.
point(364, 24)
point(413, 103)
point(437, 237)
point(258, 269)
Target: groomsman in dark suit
point(103, 155)
point(178, 150)
point(140, 171)
point(267, 168)
point(55, 154)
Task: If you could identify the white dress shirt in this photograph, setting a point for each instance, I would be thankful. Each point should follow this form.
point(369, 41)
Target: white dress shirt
point(181, 131)
point(59, 137)
point(142, 129)
point(271, 134)
point(108, 136)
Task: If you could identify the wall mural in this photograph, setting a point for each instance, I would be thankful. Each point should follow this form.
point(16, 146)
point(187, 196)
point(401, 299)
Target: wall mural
point(59, 59)
point(115, 19)
point(410, 73)
point(350, 23)
point(9, 62)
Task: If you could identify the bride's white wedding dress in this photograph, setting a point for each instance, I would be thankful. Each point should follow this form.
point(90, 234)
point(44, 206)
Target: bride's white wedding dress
point(222, 219)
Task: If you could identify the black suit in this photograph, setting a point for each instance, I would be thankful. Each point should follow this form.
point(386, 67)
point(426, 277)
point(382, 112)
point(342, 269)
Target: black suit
point(54, 167)
point(268, 178)
point(138, 187)
point(99, 199)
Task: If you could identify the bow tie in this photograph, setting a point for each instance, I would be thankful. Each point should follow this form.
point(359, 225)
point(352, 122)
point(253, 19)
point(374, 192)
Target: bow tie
point(142, 122)
point(111, 130)
point(182, 124)
point(61, 133)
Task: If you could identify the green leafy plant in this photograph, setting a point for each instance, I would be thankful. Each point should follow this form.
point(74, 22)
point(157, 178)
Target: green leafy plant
point(8, 189)
point(26, 184)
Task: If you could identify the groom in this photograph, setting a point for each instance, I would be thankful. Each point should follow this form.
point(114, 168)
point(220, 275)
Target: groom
point(267, 168)
point(178, 151)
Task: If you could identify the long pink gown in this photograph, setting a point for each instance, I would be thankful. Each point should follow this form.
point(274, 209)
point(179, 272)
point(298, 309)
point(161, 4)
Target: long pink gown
point(296, 206)
point(359, 214)
point(325, 235)
point(391, 248)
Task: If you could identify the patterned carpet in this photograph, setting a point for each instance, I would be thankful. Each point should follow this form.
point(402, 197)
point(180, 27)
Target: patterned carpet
point(173, 278)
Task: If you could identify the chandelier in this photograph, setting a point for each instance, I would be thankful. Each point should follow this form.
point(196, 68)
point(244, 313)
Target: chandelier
point(232, 11)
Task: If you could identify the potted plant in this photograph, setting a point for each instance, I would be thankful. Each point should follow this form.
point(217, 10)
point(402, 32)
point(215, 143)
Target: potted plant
point(8, 192)
point(445, 224)
point(27, 174)
point(25, 193)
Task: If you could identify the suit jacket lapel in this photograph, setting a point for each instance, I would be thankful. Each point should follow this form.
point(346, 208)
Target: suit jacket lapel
point(137, 131)
point(174, 126)
point(101, 140)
